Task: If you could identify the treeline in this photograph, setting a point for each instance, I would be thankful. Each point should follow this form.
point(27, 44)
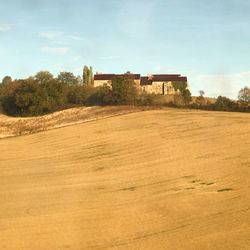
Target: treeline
point(44, 93)
point(223, 103)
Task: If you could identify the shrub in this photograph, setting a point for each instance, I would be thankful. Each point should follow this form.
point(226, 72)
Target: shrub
point(186, 94)
point(23, 97)
point(145, 99)
point(79, 94)
point(225, 104)
point(100, 96)
point(124, 90)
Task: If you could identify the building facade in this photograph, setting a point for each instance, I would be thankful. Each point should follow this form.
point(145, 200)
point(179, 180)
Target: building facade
point(163, 84)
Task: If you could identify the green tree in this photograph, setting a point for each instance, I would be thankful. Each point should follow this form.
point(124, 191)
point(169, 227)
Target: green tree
point(43, 77)
point(56, 94)
point(186, 94)
point(124, 90)
point(225, 104)
point(79, 94)
point(101, 96)
point(87, 76)
point(24, 97)
point(67, 78)
point(6, 80)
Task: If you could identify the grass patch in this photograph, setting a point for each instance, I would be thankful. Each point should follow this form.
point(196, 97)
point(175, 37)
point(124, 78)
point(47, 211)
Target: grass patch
point(207, 183)
point(224, 190)
point(195, 181)
point(129, 189)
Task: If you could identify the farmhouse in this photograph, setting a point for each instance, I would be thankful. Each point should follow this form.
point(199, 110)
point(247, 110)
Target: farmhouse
point(163, 84)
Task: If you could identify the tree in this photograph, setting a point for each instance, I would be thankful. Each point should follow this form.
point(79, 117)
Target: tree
point(87, 76)
point(43, 76)
point(79, 94)
point(24, 97)
point(91, 77)
point(124, 90)
point(186, 94)
point(67, 78)
point(56, 94)
point(101, 96)
point(200, 99)
point(6, 80)
point(225, 104)
point(202, 93)
point(244, 95)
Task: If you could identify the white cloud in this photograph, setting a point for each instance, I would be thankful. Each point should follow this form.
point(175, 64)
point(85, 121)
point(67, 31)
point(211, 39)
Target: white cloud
point(221, 84)
point(58, 51)
point(50, 34)
point(109, 57)
point(4, 28)
point(74, 37)
point(59, 42)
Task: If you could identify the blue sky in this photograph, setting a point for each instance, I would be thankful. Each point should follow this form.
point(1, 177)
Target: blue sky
point(208, 41)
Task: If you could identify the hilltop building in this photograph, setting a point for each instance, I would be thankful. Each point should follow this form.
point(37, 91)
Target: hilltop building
point(162, 84)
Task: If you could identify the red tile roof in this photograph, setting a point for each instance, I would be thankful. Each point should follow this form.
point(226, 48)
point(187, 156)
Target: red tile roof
point(147, 80)
point(164, 78)
point(104, 76)
point(144, 80)
point(112, 76)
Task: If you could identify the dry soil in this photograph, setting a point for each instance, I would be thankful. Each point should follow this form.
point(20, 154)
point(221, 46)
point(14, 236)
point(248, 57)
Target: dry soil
point(158, 179)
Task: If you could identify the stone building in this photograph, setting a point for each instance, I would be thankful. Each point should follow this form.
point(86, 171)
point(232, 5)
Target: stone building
point(162, 84)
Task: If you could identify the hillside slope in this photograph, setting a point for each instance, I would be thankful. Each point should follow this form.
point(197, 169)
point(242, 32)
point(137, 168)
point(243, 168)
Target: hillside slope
point(14, 126)
point(159, 179)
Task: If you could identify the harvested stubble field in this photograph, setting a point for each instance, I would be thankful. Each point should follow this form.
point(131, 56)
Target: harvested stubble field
point(155, 179)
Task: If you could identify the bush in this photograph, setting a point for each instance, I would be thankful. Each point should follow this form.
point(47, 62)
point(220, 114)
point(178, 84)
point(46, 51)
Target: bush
point(124, 90)
point(55, 94)
point(23, 97)
point(101, 96)
point(145, 100)
point(225, 104)
point(79, 94)
point(30, 97)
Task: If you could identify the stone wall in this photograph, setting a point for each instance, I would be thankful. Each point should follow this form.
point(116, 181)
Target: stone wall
point(155, 88)
point(159, 88)
point(169, 89)
point(99, 83)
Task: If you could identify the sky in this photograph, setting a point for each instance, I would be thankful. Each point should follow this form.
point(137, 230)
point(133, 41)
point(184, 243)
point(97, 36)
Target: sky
point(207, 41)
